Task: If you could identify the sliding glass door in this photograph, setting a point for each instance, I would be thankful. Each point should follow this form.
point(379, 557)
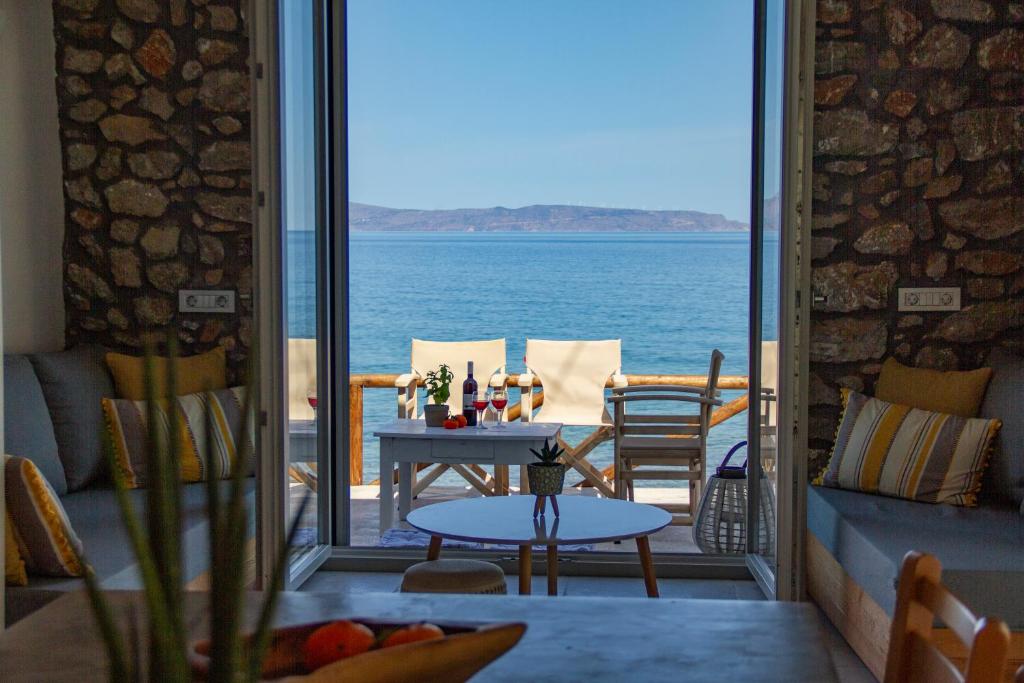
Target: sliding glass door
point(776, 462)
point(308, 407)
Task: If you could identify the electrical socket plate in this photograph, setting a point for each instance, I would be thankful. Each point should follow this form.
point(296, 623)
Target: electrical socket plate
point(929, 298)
point(206, 300)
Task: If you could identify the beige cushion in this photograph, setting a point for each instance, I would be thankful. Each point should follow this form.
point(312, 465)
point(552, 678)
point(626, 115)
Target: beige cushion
point(454, 576)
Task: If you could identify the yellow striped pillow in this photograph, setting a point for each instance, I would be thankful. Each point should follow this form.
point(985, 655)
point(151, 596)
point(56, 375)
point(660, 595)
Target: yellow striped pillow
point(43, 534)
point(126, 425)
point(895, 450)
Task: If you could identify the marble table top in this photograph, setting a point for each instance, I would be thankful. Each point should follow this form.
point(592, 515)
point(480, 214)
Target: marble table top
point(509, 519)
point(567, 638)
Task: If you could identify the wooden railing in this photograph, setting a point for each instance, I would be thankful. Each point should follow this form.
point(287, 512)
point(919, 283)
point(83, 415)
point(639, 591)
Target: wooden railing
point(359, 382)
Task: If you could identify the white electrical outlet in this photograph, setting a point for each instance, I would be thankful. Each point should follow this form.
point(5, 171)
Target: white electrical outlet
point(206, 300)
point(929, 298)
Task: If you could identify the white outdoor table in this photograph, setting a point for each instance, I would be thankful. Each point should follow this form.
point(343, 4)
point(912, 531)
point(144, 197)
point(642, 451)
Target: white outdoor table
point(567, 639)
point(406, 442)
point(510, 520)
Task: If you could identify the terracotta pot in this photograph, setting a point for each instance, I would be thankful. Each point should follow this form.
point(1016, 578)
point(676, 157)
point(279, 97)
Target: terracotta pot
point(546, 480)
point(435, 415)
point(465, 649)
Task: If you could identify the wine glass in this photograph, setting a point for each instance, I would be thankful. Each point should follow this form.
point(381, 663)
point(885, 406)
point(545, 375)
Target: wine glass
point(311, 398)
point(480, 402)
point(499, 399)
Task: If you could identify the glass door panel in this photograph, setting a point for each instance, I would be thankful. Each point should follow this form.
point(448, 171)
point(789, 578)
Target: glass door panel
point(766, 232)
point(308, 406)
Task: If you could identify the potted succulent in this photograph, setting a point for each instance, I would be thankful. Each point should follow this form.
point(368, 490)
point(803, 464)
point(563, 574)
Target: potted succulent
point(547, 476)
point(438, 383)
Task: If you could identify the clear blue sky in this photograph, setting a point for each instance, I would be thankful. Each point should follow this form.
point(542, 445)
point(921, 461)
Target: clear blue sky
point(479, 103)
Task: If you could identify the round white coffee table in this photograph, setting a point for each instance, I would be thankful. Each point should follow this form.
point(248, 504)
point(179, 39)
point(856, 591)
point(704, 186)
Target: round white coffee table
point(509, 519)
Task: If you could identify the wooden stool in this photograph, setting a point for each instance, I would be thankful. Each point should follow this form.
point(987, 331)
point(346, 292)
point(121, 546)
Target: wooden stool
point(455, 576)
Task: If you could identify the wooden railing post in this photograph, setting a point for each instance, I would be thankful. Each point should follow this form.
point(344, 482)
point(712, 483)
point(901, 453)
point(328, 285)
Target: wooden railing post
point(355, 434)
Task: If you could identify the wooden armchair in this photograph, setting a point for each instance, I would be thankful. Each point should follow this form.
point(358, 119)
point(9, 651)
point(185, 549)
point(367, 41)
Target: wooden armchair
point(913, 656)
point(665, 447)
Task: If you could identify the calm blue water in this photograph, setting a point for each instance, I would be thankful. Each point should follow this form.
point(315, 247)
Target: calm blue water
point(671, 298)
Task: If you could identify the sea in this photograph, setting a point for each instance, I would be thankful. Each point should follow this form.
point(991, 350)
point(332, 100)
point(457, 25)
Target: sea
point(670, 297)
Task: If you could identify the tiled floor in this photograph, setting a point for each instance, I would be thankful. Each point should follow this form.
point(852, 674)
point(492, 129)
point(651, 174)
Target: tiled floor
point(848, 665)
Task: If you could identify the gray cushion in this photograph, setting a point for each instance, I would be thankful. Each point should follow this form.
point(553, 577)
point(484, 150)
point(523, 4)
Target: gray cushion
point(28, 431)
point(73, 383)
point(981, 549)
point(1004, 480)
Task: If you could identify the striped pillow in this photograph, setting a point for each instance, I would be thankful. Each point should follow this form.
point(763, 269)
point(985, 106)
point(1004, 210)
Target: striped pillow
point(44, 537)
point(895, 450)
point(14, 566)
point(126, 425)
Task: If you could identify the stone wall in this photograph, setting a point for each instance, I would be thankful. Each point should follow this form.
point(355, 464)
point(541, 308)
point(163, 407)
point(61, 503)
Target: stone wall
point(154, 118)
point(919, 133)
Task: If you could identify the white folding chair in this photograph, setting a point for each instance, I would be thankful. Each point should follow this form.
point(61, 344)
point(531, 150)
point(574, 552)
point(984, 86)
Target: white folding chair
point(488, 369)
point(573, 375)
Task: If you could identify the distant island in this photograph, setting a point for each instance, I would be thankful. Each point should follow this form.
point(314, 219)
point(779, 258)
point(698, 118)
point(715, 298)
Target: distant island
point(536, 218)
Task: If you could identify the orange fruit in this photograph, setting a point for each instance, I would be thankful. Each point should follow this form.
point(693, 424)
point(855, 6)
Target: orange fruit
point(334, 641)
point(413, 633)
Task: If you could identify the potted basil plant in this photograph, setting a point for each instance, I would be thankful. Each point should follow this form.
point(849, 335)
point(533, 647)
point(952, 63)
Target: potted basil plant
point(546, 477)
point(438, 383)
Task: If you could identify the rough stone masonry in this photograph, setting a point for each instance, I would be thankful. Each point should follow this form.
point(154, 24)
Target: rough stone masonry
point(154, 122)
point(918, 141)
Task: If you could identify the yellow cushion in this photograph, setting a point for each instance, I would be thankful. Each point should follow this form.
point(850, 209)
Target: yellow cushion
point(955, 393)
point(202, 372)
point(14, 566)
point(42, 531)
point(126, 426)
point(895, 450)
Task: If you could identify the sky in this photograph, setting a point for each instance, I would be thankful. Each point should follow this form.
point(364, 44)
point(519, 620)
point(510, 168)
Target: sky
point(479, 103)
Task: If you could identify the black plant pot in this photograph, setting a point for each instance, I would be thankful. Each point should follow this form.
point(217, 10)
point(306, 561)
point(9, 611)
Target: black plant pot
point(546, 480)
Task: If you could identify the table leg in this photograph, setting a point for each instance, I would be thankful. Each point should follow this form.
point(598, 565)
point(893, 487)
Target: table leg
point(387, 486)
point(434, 550)
point(552, 570)
point(405, 488)
point(643, 547)
point(500, 479)
point(525, 569)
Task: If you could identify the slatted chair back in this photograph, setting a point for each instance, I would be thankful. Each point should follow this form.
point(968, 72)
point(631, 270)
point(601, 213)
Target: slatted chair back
point(667, 445)
point(301, 378)
point(488, 358)
point(573, 375)
point(920, 600)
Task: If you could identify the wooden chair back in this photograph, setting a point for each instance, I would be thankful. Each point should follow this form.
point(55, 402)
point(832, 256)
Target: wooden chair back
point(488, 357)
point(920, 600)
point(574, 375)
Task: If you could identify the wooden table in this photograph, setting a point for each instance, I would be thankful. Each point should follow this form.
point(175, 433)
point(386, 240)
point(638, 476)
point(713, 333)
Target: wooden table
point(567, 639)
point(510, 520)
point(407, 442)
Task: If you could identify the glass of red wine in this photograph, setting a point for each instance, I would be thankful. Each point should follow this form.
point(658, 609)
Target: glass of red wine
point(499, 399)
point(311, 397)
point(480, 402)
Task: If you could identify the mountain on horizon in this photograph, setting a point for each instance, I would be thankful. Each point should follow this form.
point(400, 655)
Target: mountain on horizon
point(536, 218)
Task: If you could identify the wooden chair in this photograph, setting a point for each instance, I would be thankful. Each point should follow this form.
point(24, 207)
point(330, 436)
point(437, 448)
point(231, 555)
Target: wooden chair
point(573, 375)
point(665, 447)
point(914, 657)
point(489, 369)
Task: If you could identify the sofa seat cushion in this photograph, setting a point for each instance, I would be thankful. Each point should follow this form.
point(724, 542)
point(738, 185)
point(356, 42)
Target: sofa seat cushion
point(1004, 480)
point(74, 382)
point(95, 515)
point(981, 549)
point(28, 430)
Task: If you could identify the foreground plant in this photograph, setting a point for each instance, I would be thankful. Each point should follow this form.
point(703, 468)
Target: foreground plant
point(156, 544)
point(548, 454)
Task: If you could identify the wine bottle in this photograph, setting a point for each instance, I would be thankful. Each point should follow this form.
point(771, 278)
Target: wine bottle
point(468, 394)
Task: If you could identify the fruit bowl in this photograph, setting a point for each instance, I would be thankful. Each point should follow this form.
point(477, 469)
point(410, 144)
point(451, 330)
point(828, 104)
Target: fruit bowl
point(464, 649)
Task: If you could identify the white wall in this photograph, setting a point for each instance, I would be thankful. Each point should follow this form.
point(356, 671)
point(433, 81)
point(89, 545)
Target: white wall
point(31, 197)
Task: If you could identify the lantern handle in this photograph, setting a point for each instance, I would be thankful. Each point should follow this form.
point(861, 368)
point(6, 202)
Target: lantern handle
point(732, 450)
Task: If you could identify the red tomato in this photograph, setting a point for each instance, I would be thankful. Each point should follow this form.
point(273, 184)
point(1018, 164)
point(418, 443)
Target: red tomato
point(413, 633)
point(461, 420)
point(334, 641)
point(451, 423)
